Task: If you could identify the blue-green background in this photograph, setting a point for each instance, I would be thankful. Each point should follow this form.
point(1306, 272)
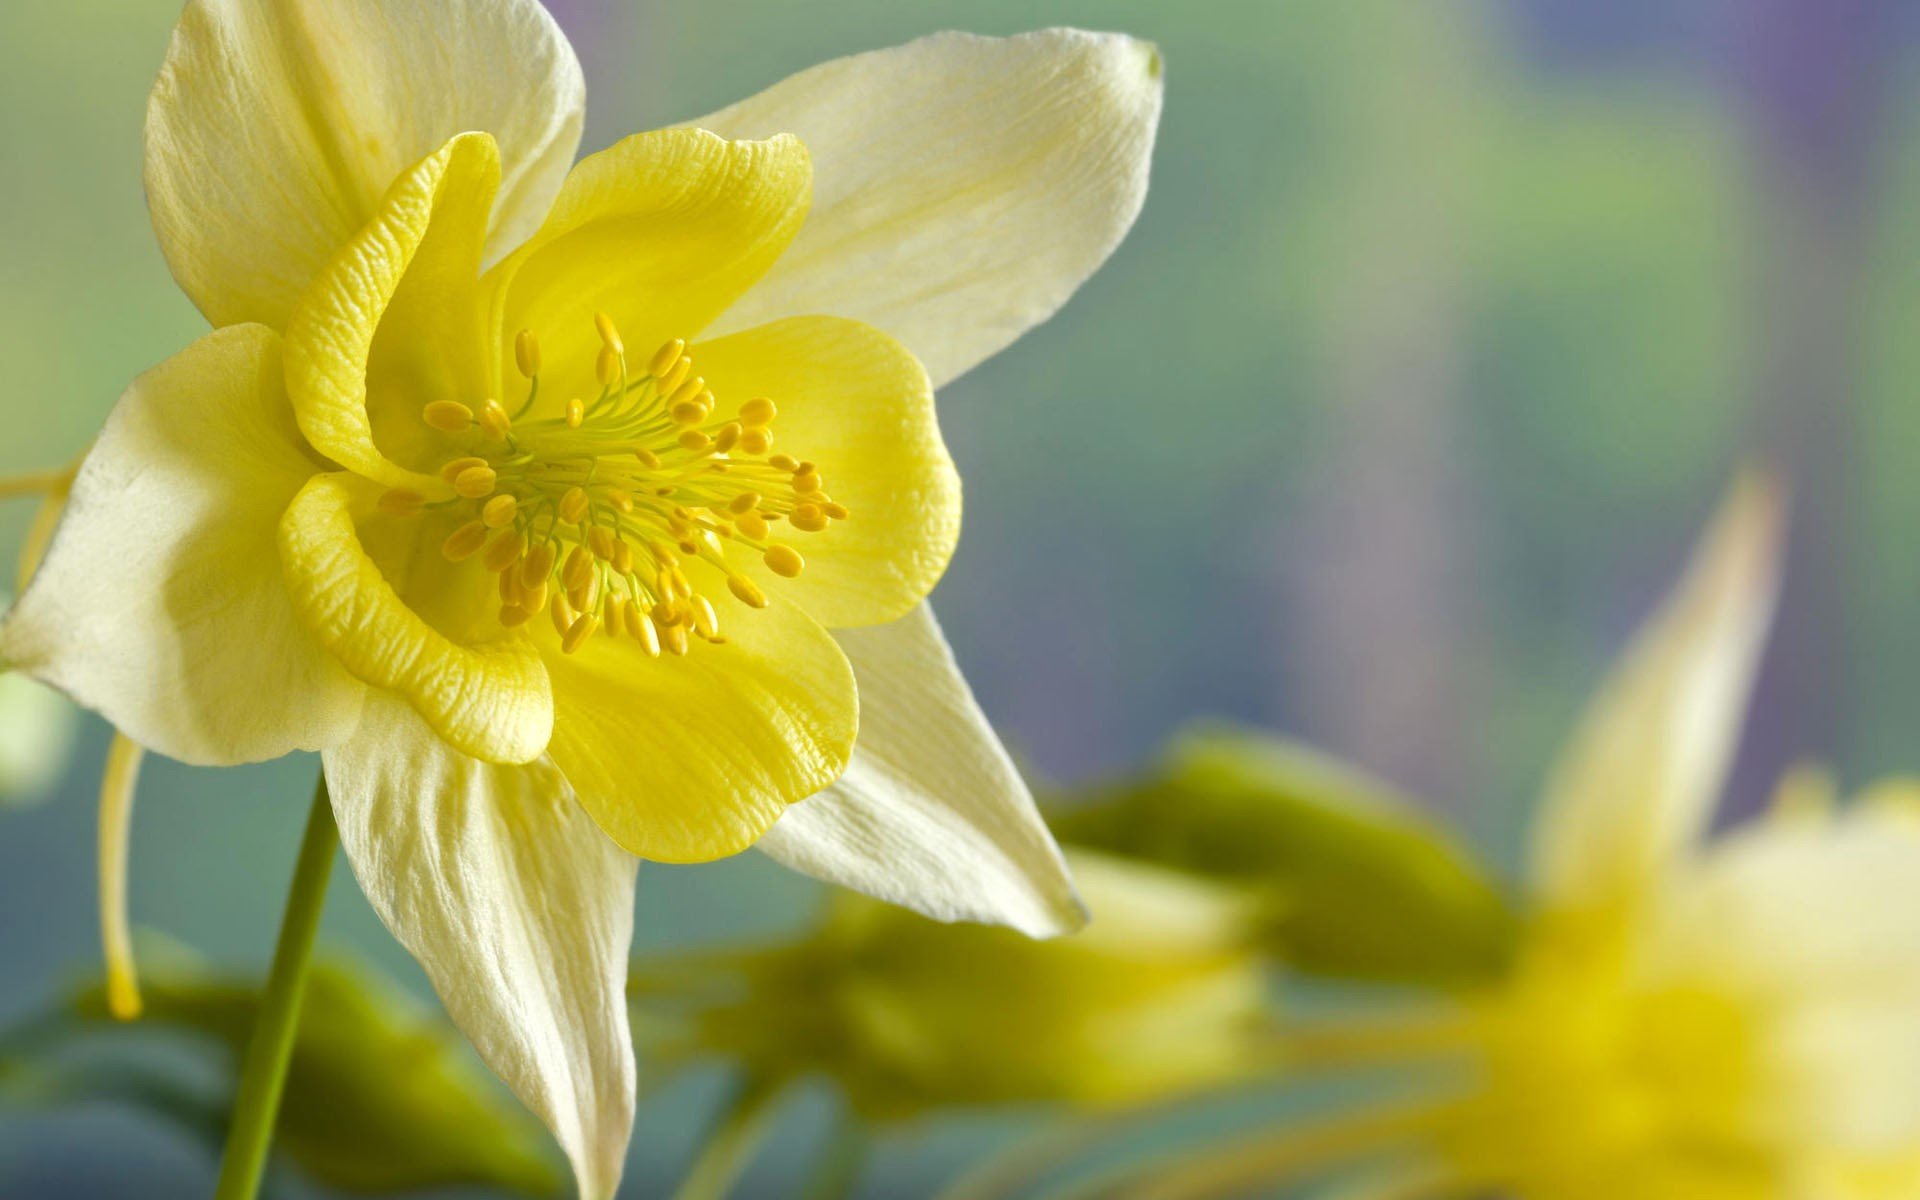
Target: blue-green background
point(1442, 328)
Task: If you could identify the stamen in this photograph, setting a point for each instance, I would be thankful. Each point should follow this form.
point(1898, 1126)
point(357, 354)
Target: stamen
point(526, 352)
point(402, 502)
point(500, 510)
point(608, 333)
point(475, 482)
point(784, 560)
point(494, 421)
point(578, 632)
point(464, 542)
point(448, 416)
point(665, 357)
point(116, 825)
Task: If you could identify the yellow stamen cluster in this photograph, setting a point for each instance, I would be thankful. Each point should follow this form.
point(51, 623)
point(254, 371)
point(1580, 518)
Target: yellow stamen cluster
point(597, 514)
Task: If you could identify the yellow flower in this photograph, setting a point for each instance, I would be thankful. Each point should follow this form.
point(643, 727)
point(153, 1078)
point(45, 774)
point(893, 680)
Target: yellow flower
point(1688, 1019)
point(527, 493)
point(1164, 992)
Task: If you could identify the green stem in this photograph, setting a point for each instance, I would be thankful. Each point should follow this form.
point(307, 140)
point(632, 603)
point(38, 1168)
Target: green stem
point(257, 1104)
point(837, 1174)
point(730, 1145)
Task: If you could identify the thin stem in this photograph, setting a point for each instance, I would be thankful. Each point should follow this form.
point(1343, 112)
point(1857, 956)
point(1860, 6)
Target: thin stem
point(257, 1103)
point(730, 1145)
point(116, 830)
point(34, 483)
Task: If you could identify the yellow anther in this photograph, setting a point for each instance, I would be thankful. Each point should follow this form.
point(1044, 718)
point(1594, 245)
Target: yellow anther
point(837, 511)
point(688, 413)
point(600, 541)
point(609, 333)
point(747, 591)
point(563, 613)
point(500, 511)
point(648, 458)
point(513, 616)
point(533, 598)
point(664, 613)
point(687, 391)
point(675, 376)
point(576, 413)
point(663, 359)
point(620, 500)
point(452, 470)
point(704, 618)
point(806, 481)
point(509, 587)
point(578, 632)
point(809, 518)
point(695, 441)
point(606, 368)
point(538, 566)
point(752, 526)
point(448, 416)
point(401, 502)
point(475, 482)
point(616, 615)
point(584, 597)
point(745, 502)
point(641, 630)
point(505, 550)
point(464, 542)
point(675, 636)
point(579, 569)
point(756, 440)
point(574, 505)
point(526, 352)
point(758, 411)
point(728, 435)
point(623, 558)
point(494, 421)
point(784, 560)
point(781, 462)
point(705, 399)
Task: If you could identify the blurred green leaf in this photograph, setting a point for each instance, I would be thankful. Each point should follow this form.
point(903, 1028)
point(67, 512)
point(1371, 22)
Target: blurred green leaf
point(1356, 883)
point(379, 1097)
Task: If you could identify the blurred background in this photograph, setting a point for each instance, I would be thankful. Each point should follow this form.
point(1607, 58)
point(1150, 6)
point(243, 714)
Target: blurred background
point(1442, 329)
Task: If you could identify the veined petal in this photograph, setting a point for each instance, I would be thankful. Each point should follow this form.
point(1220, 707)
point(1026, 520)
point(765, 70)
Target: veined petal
point(931, 813)
point(692, 759)
point(160, 603)
point(852, 399)
point(276, 126)
point(662, 232)
point(518, 908)
point(395, 320)
point(488, 698)
point(1639, 780)
point(967, 185)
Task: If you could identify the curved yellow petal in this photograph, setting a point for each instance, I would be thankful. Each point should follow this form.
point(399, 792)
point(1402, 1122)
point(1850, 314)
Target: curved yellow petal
point(160, 603)
point(1640, 778)
point(519, 910)
point(489, 699)
point(692, 759)
point(968, 185)
point(661, 231)
point(395, 321)
point(276, 126)
point(856, 402)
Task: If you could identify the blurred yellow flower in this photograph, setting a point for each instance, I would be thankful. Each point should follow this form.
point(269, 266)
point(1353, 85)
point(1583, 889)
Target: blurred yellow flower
point(527, 491)
point(1162, 993)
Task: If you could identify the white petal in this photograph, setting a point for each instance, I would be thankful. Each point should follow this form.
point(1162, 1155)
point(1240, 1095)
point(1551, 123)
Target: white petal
point(161, 602)
point(1640, 778)
point(519, 909)
point(964, 186)
point(931, 814)
point(276, 126)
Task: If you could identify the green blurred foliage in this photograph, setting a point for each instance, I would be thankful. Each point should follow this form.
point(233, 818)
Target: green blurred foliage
point(379, 1097)
point(1351, 881)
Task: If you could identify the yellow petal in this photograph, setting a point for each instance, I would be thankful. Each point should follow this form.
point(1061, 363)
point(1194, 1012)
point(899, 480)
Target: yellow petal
point(968, 185)
point(853, 400)
point(160, 603)
point(488, 698)
point(661, 232)
point(691, 759)
point(394, 321)
point(1640, 778)
point(931, 814)
point(520, 911)
point(276, 126)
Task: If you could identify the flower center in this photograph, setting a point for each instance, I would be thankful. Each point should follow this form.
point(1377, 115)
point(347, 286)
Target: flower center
point(595, 515)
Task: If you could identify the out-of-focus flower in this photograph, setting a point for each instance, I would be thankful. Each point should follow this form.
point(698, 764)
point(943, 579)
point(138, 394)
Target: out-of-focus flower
point(1161, 994)
point(1686, 1019)
point(446, 497)
point(1351, 880)
point(380, 1097)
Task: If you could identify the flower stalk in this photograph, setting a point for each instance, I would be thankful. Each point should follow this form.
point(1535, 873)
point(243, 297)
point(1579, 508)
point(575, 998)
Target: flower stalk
point(257, 1103)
